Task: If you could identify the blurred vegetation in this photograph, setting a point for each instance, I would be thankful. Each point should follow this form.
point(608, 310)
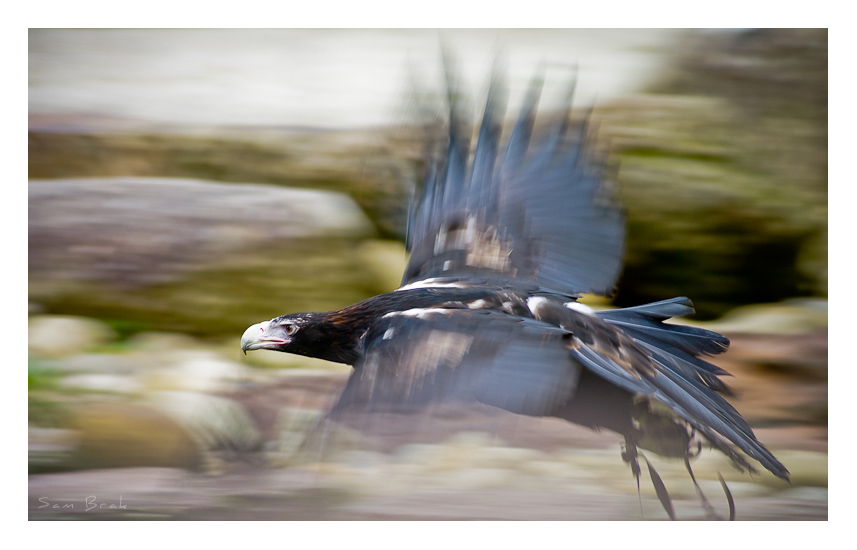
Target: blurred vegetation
point(44, 408)
point(723, 168)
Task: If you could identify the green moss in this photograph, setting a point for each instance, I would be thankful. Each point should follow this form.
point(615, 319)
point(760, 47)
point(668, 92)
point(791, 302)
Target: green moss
point(43, 407)
point(41, 377)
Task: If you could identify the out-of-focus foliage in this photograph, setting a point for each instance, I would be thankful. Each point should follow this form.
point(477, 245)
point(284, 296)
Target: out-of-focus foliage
point(723, 168)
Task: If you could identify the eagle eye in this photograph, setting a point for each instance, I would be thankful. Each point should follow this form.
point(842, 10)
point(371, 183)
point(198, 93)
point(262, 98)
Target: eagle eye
point(291, 328)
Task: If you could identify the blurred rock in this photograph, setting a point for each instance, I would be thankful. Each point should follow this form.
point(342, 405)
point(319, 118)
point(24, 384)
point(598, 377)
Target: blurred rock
point(779, 379)
point(479, 477)
point(160, 342)
point(103, 383)
point(172, 429)
point(195, 371)
point(370, 166)
point(98, 363)
point(57, 336)
point(143, 231)
point(128, 435)
point(49, 449)
point(192, 256)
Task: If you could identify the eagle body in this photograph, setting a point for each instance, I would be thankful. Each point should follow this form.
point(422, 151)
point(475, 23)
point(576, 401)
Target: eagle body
point(502, 245)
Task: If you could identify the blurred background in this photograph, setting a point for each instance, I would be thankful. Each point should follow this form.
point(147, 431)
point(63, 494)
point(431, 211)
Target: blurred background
point(184, 184)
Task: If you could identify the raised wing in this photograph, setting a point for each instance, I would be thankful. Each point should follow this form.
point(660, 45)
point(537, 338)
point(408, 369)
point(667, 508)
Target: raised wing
point(542, 211)
point(419, 356)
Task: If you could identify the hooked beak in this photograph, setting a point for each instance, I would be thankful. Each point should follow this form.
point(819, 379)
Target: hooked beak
point(258, 337)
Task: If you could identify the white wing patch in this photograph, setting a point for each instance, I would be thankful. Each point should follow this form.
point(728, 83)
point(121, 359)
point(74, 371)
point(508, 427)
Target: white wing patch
point(534, 302)
point(429, 283)
point(580, 308)
point(419, 312)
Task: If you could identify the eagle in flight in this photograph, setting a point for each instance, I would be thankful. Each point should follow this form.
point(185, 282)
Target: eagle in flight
point(502, 245)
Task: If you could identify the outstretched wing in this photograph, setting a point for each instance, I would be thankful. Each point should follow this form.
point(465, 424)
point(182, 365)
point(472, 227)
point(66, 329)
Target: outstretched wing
point(420, 356)
point(542, 211)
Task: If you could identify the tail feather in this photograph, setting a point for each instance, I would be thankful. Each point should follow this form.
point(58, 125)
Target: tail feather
point(647, 322)
point(674, 307)
point(688, 384)
point(691, 367)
